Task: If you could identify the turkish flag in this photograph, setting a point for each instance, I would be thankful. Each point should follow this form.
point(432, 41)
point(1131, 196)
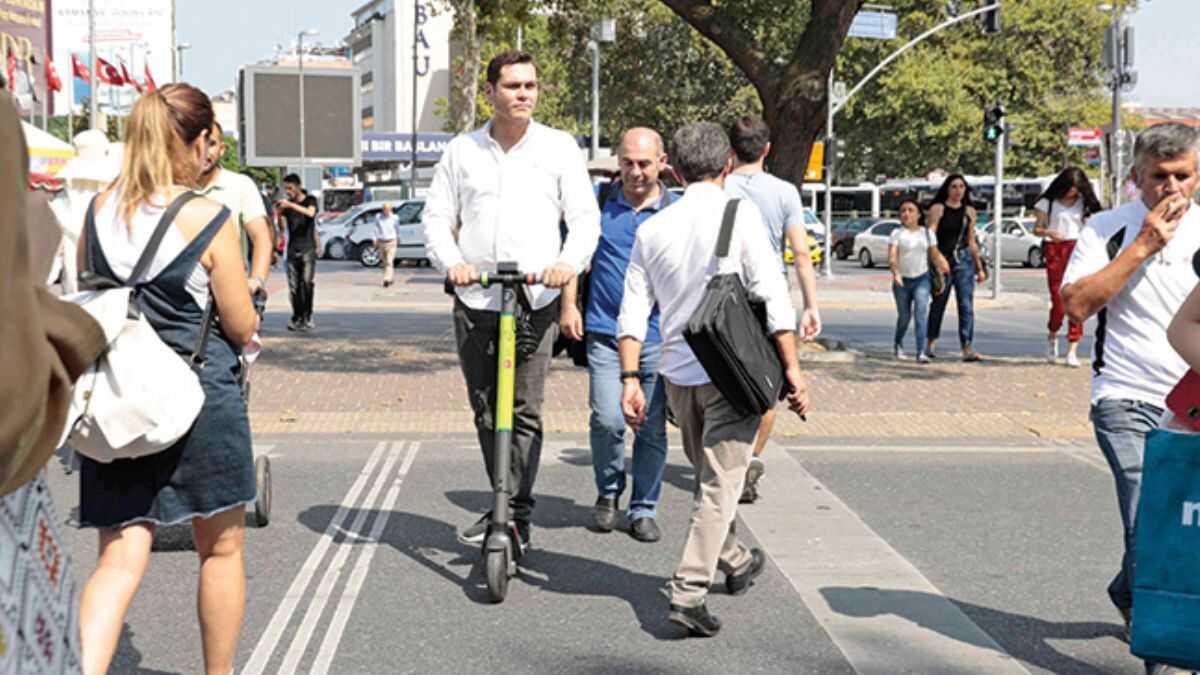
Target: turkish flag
point(12, 69)
point(108, 73)
point(52, 81)
point(149, 84)
point(79, 70)
point(129, 79)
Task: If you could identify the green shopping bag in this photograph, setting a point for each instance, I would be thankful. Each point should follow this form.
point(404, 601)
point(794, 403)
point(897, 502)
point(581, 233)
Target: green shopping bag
point(1166, 588)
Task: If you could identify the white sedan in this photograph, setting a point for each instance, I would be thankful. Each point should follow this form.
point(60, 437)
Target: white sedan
point(871, 245)
point(1017, 243)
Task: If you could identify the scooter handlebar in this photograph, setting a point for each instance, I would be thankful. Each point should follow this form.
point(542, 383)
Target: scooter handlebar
point(488, 279)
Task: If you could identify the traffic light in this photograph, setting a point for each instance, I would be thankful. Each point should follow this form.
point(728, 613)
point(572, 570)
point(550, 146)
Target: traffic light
point(991, 20)
point(993, 122)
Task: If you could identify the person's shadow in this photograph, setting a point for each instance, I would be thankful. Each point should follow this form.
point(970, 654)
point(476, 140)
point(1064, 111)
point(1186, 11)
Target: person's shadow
point(1024, 637)
point(128, 658)
point(427, 542)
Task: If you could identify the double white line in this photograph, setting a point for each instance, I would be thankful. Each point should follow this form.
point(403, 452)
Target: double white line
point(354, 535)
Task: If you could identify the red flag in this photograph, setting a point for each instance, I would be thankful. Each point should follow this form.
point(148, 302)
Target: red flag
point(129, 79)
point(52, 81)
point(149, 84)
point(79, 70)
point(12, 69)
point(108, 73)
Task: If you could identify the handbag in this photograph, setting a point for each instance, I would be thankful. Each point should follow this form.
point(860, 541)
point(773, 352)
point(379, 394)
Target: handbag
point(140, 396)
point(936, 278)
point(729, 336)
point(577, 349)
point(1166, 585)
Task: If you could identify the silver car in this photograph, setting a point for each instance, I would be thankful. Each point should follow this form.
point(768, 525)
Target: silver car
point(871, 245)
point(1017, 243)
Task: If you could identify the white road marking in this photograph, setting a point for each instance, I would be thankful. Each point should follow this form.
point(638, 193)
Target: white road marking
point(283, 614)
point(1090, 458)
point(879, 610)
point(333, 635)
point(334, 569)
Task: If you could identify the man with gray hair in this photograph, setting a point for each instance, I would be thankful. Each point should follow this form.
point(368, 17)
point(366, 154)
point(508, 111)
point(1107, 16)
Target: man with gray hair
point(1132, 269)
point(670, 266)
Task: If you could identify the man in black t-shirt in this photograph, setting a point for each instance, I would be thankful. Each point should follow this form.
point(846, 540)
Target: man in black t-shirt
point(300, 212)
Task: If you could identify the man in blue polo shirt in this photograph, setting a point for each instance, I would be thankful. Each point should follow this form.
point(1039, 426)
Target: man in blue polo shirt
point(626, 204)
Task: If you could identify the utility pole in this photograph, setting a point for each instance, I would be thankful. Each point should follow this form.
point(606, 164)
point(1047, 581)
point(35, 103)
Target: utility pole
point(995, 130)
point(1118, 59)
point(92, 101)
point(830, 151)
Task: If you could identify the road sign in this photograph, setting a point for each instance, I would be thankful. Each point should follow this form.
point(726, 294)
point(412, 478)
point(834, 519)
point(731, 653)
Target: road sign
point(816, 162)
point(1085, 137)
point(1092, 156)
point(874, 25)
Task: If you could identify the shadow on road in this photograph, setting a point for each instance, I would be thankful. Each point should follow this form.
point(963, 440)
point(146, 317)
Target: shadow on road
point(1025, 638)
point(363, 342)
point(128, 658)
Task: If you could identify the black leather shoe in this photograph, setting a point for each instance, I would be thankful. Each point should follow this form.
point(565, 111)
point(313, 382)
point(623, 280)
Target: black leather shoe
point(645, 529)
point(606, 514)
point(739, 582)
point(696, 620)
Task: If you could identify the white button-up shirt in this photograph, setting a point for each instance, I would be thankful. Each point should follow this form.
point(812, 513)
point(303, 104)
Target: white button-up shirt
point(506, 206)
point(672, 262)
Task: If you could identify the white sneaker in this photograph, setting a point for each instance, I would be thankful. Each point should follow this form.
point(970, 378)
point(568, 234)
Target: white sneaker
point(1072, 360)
point(1052, 350)
point(899, 354)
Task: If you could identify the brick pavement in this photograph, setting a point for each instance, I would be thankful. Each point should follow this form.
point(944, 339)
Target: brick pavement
point(348, 377)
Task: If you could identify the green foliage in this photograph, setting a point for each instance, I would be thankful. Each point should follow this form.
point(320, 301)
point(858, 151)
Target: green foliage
point(231, 161)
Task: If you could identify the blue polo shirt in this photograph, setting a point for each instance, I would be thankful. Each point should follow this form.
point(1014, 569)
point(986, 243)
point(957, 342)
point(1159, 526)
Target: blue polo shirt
point(619, 223)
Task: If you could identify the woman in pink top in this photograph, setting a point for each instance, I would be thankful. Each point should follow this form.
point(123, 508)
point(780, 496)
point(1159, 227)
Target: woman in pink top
point(1061, 212)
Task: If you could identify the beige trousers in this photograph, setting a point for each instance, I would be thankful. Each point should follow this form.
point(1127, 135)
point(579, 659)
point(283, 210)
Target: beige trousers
point(387, 249)
point(718, 442)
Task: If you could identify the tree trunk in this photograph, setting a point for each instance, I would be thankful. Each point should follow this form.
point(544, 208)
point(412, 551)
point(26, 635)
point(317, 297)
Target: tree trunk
point(796, 115)
point(466, 71)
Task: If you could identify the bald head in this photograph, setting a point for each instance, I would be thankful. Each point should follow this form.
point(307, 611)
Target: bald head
point(641, 158)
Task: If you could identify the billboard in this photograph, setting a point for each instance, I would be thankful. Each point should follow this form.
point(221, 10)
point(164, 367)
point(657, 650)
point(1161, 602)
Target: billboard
point(269, 116)
point(24, 35)
point(138, 34)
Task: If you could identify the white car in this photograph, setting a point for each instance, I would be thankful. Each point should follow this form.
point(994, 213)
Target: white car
point(871, 245)
point(1017, 243)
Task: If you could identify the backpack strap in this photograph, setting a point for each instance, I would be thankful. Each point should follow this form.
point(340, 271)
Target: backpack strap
point(168, 217)
point(727, 228)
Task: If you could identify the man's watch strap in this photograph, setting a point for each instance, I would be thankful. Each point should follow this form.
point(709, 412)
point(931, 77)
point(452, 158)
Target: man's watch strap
point(631, 375)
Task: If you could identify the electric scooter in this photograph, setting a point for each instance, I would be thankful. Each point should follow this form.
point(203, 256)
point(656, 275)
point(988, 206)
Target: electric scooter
point(502, 544)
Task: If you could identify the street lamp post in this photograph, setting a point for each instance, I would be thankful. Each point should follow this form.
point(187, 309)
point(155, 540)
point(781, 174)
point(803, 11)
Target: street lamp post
point(93, 104)
point(179, 48)
point(605, 30)
point(311, 32)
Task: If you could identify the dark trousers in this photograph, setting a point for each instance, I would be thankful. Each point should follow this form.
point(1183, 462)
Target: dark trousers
point(478, 338)
point(301, 267)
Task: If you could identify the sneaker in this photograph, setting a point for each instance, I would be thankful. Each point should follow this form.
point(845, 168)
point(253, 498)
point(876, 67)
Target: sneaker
point(737, 583)
point(923, 358)
point(605, 513)
point(473, 534)
point(930, 355)
point(309, 324)
point(1073, 360)
point(898, 352)
point(294, 325)
point(697, 620)
point(754, 474)
point(1052, 350)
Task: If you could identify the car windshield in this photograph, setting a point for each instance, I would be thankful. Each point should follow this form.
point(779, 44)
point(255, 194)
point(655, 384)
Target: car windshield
point(345, 218)
point(410, 212)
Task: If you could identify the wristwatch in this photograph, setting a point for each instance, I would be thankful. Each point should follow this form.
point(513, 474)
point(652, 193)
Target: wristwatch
point(630, 375)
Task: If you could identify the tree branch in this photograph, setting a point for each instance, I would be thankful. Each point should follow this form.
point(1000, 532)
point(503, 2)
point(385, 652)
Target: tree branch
point(716, 25)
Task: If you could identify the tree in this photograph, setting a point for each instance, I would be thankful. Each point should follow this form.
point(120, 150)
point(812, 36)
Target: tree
point(787, 60)
point(232, 161)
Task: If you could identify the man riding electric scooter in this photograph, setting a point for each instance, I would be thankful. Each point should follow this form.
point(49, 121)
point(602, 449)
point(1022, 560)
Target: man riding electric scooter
point(498, 195)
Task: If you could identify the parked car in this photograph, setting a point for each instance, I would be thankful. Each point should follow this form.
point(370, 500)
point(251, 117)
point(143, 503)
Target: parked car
point(410, 236)
point(1017, 243)
point(815, 240)
point(872, 243)
point(844, 233)
point(338, 233)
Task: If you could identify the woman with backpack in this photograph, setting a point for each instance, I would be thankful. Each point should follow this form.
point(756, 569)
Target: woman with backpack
point(911, 250)
point(951, 218)
point(1061, 212)
point(207, 477)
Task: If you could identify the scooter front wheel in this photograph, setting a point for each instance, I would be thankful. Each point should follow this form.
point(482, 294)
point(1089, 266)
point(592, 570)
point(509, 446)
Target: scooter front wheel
point(496, 564)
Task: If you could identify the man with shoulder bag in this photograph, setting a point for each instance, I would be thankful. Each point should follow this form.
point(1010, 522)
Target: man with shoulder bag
point(671, 265)
point(624, 206)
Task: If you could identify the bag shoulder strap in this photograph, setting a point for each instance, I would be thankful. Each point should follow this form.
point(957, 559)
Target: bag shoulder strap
point(168, 217)
point(727, 228)
point(1113, 247)
point(602, 194)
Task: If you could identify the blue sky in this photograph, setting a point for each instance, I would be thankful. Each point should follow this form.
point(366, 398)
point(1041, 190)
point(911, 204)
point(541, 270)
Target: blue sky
point(226, 34)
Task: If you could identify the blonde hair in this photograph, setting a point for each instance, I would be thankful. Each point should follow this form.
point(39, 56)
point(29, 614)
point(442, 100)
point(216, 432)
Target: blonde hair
point(161, 127)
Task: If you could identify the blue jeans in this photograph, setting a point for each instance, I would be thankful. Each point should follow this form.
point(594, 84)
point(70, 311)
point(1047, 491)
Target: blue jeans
point(608, 426)
point(962, 280)
point(1121, 427)
point(914, 291)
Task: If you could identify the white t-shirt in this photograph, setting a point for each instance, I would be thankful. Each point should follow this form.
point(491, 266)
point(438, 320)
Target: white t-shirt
point(1132, 358)
point(237, 192)
point(1065, 220)
point(913, 249)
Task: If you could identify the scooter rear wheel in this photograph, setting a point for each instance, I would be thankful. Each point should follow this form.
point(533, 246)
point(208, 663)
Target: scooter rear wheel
point(496, 567)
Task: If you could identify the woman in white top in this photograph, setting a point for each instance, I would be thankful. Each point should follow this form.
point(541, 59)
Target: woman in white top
point(1061, 212)
point(909, 250)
